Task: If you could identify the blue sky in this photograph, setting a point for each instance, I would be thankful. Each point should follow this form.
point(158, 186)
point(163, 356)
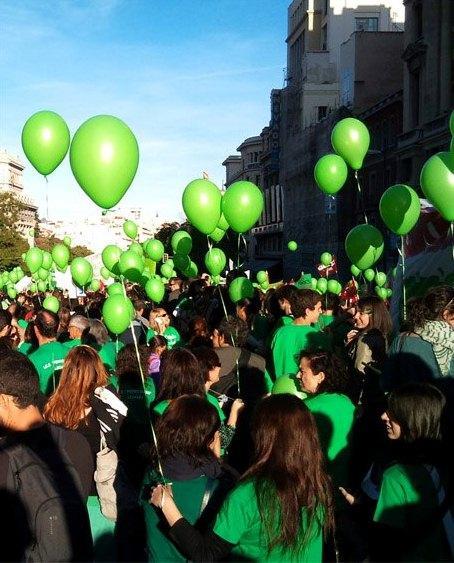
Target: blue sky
point(192, 79)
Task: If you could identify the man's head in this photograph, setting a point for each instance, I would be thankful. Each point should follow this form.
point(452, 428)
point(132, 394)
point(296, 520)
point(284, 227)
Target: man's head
point(139, 306)
point(231, 331)
point(46, 326)
point(307, 304)
point(19, 390)
point(285, 296)
point(5, 323)
point(175, 284)
point(77, 325)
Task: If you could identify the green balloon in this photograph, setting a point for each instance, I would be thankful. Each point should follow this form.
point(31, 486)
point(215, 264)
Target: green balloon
point(43, 274)
point(94, 285)
point(67, 241)
point(350, 139)
point(105, 273)
point(81, 271)
point(215, 280)
point(41, 286)
point(400, 209)
point(166, 270)
point(313, 284)
point(104, 157)
point(451, 146)
point(215, 261)
point(241, 288)
point(34, 259)
point(60, 255)
point(155, 250)
point(262, 276)
point(52, 304)
point(47, 260)
point(222, 223)
point(13, 277)
point(31, 232)
point(182, 262)
point(11, 292)
point(330, 173)
point(136, 247)
point(217, 235)
point(333, 286)
point(116, 313)
point(115, 289)
point(181, 243)
point(354, 270)
point(451, 123)
point(131, 265)
point(110, 257)
point(369, 274)
point(322, 285)
point(202, 205)
point(437, 183)
point(242, 205)
point(381, 292)
point(265, 285)
point(45, 140)
point(389, 292)
point(33, 287)
point(364, 246)
point(155, 290)
point(192, 271)
point(326, 258)
point(380, 279)
point(288, 384)
point(130, 229)
point(292, 246)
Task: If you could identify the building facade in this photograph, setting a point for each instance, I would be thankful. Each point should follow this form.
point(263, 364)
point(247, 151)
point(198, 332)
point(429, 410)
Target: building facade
point(12, 180)
point(428, 88)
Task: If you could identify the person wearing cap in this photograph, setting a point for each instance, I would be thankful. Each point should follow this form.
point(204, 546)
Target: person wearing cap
point(48, 358)
point(78, 325)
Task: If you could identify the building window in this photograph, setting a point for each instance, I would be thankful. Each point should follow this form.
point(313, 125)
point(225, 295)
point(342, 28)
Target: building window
point(321, 112)
point(325, 37)
point(366, 24)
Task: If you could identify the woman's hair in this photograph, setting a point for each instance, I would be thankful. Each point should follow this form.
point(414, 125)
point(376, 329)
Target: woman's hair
point(338, 378)
point(208, 360)
point(198, 326)
point(234, 330)
point(98, 332)
point(157, 341)
point(154, 315)
point(417, 408)
point(187, 428)
point(288, 472)
point(380, 319)
point(64, 314)
point(431, 307)
point(30, 335)
point(180, 375)
point(83, 371)
point(127, 364)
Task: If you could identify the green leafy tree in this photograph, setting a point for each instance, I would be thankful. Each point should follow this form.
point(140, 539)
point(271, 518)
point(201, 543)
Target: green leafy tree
point(48, 242)
point(12, 243)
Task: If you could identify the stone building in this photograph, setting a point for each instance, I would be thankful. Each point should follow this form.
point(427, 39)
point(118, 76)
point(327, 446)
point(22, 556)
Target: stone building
point(11, 179)
point(428, 89)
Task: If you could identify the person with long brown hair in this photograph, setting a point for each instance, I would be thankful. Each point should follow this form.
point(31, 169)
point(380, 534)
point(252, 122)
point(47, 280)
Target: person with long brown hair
point(282, 505)
point(82, 402)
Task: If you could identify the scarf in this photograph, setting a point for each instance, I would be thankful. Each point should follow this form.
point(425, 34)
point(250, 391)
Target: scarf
point(441, 335)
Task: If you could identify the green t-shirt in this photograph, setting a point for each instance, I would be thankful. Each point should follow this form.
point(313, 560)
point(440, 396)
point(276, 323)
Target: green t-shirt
point(72, 343)
point(188, 497)
point(239, 523)
point(407, 499)
point(334, 414)
point(48, 359)
point(171, 334)
point(289, 341)
point(25, 348)
point(108, 353)
point(161, 407)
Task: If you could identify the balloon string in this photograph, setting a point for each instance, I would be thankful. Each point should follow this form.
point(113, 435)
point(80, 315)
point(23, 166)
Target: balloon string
point(361, 198)
point(233, 342)
point(153, 433)
point(238, 253)
point(404, 290)
point(452, 238)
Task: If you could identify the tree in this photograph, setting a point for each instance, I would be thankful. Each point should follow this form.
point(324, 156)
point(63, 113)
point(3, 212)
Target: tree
point(48, 242)
point(12, 243)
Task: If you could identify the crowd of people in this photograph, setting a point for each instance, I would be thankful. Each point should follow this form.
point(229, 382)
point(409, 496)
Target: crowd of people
point(175, 441)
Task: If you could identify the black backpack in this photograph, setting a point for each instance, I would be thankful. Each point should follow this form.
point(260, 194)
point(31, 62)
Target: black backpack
point(49, 498)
